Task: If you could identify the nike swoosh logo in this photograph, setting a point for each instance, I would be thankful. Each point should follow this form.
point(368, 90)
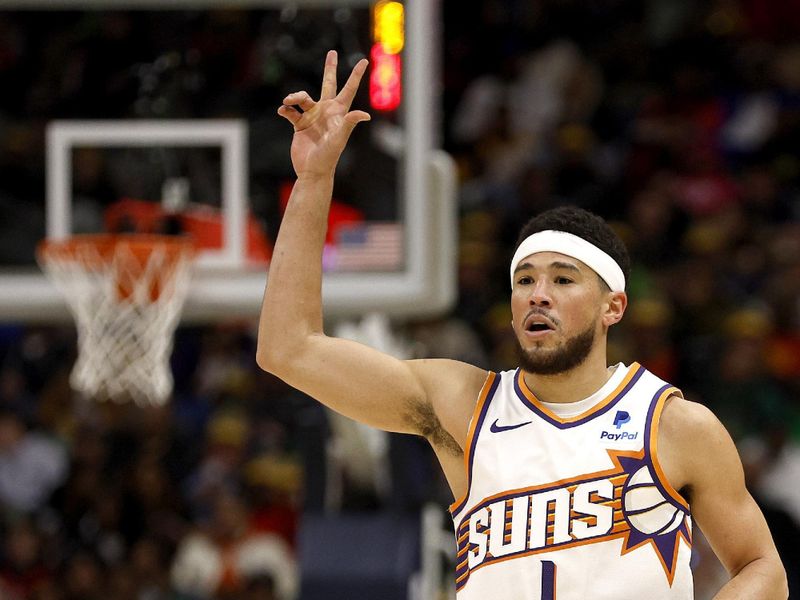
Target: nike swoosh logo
point(495, 428)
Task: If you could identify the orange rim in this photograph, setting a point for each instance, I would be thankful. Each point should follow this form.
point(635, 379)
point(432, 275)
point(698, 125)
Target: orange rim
point(96, 252)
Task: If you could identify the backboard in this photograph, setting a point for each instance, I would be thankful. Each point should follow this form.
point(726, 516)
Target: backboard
point(394, 250)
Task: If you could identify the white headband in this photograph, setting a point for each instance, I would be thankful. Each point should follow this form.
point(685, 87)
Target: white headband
point(576, 247)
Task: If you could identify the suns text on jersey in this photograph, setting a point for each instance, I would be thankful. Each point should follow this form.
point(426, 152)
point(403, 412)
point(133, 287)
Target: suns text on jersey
point(528, 521)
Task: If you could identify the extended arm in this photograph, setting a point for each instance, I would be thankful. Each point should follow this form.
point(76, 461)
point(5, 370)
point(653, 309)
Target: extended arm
point(353, 379)
point(705, 462)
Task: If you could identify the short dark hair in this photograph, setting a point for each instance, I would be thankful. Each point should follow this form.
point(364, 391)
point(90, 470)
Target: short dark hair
point(585, 225)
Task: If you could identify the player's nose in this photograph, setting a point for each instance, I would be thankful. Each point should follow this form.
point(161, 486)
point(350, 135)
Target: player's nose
point(540, 294)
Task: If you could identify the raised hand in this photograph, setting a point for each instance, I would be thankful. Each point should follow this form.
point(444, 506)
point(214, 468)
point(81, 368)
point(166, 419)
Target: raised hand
point(321, 131)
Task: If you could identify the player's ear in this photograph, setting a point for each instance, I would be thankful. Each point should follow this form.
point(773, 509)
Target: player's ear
point(614, 307)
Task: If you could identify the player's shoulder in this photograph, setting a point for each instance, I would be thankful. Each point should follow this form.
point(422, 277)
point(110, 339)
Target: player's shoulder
point(688, 416)
point(699, 449)
point(449, 375)
point(690, 428)
point(451, 389)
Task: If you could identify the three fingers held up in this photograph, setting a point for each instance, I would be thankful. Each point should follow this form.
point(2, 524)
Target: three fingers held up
point(344, 98)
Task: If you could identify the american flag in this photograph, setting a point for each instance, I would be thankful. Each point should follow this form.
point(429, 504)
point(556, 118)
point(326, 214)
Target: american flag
point(365, 247)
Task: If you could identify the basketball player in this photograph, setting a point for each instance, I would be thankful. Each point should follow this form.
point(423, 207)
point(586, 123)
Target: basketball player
point(574, 480)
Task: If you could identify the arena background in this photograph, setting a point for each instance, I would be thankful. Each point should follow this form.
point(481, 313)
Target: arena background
point(676, 120)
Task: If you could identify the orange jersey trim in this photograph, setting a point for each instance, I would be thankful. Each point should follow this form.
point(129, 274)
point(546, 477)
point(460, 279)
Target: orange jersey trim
point(632, 371)
point(471, 434)
point(612, 473)
point(653, 447)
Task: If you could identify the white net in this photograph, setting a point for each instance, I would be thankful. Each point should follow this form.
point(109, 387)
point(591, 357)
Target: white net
point(126, 294)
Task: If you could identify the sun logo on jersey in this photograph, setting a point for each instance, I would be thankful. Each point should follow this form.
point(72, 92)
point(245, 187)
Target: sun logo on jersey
point(628, 501)
point(655, 514)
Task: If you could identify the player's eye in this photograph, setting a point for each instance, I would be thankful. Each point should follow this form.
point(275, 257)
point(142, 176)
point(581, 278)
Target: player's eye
point(563, 280)
point(525, 280)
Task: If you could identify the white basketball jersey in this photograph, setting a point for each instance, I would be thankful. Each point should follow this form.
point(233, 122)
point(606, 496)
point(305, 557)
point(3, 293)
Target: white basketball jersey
point(569, 502)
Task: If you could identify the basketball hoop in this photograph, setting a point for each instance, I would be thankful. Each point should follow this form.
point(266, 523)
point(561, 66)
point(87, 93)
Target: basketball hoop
point(126, 293)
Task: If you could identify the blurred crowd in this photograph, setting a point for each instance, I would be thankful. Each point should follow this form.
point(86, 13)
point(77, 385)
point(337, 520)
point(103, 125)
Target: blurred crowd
point(197, 499)
point(678, 121)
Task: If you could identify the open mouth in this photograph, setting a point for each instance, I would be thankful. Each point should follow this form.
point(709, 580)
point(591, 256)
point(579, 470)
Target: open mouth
point(537, 324)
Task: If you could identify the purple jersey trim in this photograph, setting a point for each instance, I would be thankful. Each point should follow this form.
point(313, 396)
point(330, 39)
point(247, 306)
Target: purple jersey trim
point(524, 491)
point(561, 425)
point(648, 428)
point(478, 427)
point(665, 543)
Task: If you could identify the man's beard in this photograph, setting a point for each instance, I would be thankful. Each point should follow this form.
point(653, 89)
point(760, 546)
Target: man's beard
point(565, 357)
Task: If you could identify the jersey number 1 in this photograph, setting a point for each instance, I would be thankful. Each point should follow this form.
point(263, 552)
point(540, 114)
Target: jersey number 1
point(548, 580)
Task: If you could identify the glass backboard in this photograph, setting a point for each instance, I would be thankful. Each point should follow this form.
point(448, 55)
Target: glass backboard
point(157, 115)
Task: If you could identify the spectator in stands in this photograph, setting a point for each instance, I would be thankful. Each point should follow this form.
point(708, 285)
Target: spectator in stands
point(222, 559)
point(31, 465)
point(22, 571)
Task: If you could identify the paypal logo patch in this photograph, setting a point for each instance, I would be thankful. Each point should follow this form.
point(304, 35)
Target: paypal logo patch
point(621, 418)
point(625, 435)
